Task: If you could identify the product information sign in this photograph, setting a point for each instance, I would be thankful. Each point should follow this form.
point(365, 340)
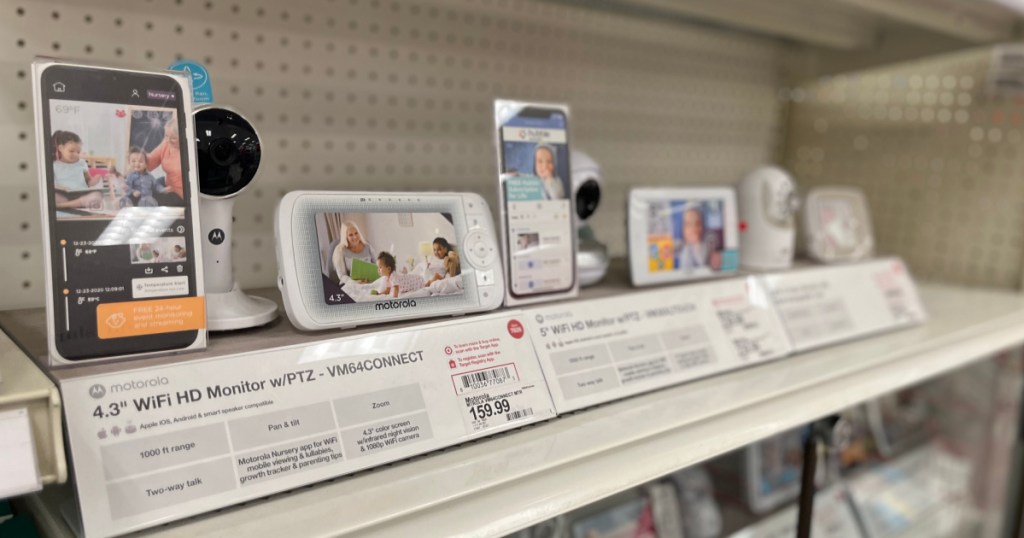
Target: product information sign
point(826, 305)
point(602, 350)
point(158, 444)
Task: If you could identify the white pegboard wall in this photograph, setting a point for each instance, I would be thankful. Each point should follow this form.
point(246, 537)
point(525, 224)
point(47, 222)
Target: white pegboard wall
point(938, 156)
point(397, 95)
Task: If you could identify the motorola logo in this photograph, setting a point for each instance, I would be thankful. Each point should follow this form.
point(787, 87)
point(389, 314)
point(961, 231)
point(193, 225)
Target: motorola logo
point(216, 236)
point(388, 305)
point(97, 391)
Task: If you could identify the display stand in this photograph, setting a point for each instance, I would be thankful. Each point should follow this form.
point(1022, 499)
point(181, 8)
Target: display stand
point(221, 426)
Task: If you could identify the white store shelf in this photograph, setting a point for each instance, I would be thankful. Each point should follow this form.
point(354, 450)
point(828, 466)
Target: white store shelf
point(505, 483)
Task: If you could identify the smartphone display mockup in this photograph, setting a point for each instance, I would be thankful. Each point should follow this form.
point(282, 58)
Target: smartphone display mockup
point(537, 204)
point(119, 202)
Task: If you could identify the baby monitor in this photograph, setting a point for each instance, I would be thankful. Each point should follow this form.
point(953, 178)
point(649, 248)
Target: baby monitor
point(837, 225)
point(228, 152)
point(680, 234)
point(356, 258)
point(592, 258)
point(767, 203)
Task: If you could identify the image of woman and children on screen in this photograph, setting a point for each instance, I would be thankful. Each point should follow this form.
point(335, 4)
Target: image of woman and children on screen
point(108, 157)
point(382, 256)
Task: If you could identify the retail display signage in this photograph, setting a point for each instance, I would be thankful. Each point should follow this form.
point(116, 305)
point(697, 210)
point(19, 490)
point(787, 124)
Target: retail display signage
point(158, 444)
point(605, 349)
point(826, 305)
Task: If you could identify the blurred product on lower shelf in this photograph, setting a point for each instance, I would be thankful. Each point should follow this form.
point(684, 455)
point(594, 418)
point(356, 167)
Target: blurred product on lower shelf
point(701, 515)
point(766, 474)
point(978, 417)
point(833, 518)
point(898, 420)
point(923, 492)
point(650, 511)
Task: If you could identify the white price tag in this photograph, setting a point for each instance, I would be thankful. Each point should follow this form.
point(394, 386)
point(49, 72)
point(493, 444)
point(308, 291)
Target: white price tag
point(830, 304)
point(163, 443)
point(601, 350)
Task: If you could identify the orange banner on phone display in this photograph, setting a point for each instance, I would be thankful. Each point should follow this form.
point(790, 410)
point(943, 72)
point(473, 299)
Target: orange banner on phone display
point(138, 318)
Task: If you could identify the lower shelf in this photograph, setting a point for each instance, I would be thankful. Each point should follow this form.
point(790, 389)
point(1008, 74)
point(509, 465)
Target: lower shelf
point(505, 483)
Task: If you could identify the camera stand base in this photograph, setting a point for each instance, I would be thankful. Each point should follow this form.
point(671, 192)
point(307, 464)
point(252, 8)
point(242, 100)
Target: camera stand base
point(235, 310)
point(591, 261)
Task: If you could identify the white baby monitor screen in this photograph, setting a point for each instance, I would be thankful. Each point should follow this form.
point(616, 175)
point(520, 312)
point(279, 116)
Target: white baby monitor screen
point(685, 235)
point(367, 257)
point(677, 234)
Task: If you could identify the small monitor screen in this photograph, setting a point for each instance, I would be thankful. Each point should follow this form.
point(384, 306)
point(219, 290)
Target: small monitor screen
point(688, 236)
point(376, 256)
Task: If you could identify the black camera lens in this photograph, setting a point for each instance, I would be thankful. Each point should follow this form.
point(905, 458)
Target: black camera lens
point(227, 150)
point(223, 152)
point(587, 198)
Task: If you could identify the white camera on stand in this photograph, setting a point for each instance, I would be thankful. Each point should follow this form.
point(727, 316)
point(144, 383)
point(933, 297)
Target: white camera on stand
point(228, 152)
point(592, 256)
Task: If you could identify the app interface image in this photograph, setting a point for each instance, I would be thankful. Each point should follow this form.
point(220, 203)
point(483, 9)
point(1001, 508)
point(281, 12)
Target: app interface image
point(119, 226)
point(688, 236)
point(538, 204)
point(367, 257)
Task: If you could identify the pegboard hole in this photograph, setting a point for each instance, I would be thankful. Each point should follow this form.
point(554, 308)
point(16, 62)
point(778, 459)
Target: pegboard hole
point(25, 255)
point(23, 196)
point(26, 284)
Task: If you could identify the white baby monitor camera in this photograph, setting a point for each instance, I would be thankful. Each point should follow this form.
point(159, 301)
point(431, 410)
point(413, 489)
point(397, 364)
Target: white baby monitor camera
point(228, 155)
point(768, 203)
point(592, 256)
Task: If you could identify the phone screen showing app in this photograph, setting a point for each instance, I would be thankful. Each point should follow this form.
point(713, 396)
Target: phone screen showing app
point(536, 185)
point(120, 224)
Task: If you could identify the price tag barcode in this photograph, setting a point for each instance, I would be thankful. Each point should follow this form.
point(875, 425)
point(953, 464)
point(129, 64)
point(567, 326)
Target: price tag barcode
point(516, 415)
point(492, 377)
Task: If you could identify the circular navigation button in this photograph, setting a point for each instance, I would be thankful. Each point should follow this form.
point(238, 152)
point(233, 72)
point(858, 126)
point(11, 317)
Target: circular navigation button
point(479, 250)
